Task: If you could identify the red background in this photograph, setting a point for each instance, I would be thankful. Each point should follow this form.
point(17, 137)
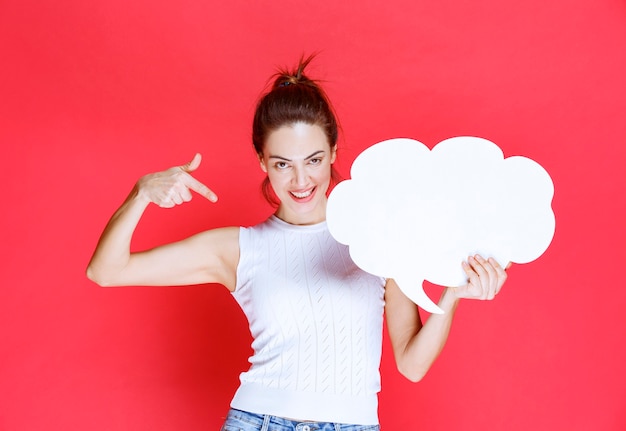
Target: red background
point(94, 94)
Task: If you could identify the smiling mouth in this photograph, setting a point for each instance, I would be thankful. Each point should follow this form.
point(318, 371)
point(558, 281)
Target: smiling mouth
point(303, 195)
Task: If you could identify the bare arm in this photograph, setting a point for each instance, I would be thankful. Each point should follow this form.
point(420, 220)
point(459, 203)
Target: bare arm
point(207, 257)
point(416, 346)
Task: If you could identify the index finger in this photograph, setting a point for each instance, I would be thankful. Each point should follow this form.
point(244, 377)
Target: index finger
point(199, 188)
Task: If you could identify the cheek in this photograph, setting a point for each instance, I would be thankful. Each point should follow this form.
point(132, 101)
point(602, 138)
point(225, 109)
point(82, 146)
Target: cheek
point(276, 180)
point(327, 172)
point(322, 177)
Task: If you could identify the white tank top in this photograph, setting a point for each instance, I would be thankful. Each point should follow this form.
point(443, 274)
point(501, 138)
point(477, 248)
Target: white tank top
point(316, 320)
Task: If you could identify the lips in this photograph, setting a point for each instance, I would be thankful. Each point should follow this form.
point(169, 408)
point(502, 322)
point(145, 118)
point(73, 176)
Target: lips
point(302, 195)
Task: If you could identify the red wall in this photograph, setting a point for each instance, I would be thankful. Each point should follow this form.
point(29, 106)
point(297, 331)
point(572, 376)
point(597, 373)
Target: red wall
point(95, 93)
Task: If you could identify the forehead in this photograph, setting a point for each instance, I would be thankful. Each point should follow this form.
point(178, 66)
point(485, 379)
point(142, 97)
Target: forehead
point(296, 141)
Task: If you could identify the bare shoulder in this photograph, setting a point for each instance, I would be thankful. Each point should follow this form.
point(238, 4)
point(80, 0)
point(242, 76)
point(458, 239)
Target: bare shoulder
point(400, 311)
point(403, 319)
point(220, 248)
point(393, 295)
point(226, 236)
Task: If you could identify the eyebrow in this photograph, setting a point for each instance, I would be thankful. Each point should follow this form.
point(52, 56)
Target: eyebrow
point(289, 160)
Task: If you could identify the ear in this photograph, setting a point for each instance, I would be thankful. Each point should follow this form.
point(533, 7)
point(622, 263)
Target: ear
point(262, 163)
point(333, 154)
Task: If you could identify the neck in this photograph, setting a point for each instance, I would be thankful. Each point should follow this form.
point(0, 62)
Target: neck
point(315, 216)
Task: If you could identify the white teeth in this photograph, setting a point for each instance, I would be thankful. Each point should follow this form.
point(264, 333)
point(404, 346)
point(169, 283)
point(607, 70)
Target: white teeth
point(302, 195)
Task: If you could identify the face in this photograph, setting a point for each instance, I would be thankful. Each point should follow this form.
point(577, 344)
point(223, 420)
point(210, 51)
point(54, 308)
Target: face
point(298, 159)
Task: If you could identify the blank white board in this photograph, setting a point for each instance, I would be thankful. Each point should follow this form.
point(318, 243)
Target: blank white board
point(413, 214)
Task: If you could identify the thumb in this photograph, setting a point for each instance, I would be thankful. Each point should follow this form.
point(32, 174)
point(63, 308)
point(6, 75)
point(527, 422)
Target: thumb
point(193, 164)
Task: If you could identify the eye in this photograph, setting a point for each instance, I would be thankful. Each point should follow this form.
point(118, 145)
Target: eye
point(281, 165)
point(315, 161)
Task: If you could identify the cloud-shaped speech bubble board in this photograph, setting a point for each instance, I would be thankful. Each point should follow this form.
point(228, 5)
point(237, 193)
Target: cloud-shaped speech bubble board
point(413, 214)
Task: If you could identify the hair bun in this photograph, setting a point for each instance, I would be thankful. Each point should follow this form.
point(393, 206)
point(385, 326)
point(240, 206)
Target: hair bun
point(286, 77)
point(286, 80)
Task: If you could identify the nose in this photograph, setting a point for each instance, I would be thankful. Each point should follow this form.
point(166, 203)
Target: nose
point(300, 176)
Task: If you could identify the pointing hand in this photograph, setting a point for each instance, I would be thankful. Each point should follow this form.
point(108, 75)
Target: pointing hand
point(173, 186)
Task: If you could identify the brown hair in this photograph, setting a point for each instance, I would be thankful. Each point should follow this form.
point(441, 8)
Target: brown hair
point(293, 98)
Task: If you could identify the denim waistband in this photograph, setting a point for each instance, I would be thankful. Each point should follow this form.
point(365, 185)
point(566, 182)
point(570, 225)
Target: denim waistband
point(238, 420)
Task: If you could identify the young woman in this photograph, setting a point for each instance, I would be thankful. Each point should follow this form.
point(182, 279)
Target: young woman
point(316, 318)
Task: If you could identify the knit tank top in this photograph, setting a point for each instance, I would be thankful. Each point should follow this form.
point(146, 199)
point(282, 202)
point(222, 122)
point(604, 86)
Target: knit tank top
point(316, 323)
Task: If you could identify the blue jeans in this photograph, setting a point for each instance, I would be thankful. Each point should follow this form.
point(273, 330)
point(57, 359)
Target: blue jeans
point(238, 420)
